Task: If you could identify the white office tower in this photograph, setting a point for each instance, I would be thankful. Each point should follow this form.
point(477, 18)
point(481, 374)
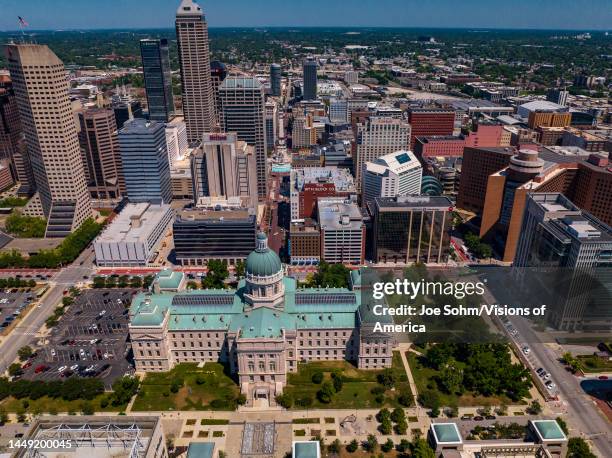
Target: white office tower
point(376, 137)
point(395, 174)
point(176, 140)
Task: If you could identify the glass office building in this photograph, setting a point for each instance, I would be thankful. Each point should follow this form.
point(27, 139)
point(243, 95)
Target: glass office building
point(410, 229)
point(157, 78)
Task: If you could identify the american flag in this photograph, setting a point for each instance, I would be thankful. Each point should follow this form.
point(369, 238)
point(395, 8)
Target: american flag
point(22, 21)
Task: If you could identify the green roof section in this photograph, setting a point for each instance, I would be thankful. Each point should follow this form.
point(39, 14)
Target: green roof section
point(262, 322)
point(446, 433)
point(306, 449)
point(169, 279)
point(226, 310)
point(548, 430)
point(201, 450)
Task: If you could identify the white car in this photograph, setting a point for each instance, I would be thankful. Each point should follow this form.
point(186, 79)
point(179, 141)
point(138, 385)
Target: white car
point(74, 367)
point(93, 341)
point(62, 369)
point(82, 353)
point(53, 352)
point(526, 350)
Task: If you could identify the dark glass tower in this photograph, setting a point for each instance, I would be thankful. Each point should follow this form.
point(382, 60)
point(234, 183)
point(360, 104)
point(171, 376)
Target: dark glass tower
point(157, 78)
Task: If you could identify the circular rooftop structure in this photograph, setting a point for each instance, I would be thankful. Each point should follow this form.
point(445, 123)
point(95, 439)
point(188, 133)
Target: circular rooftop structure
point(263, 262)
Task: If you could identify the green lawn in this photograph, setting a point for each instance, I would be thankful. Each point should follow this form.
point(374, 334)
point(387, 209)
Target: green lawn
point(217, 392)
point(593, 364)
point(356, 390)
point(424, 378)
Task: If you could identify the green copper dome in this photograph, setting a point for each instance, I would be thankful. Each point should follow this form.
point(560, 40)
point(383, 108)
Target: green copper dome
point(263, 262)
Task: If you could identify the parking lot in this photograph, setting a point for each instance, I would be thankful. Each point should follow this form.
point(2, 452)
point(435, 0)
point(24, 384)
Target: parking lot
point(90, 340)
point(12, 303)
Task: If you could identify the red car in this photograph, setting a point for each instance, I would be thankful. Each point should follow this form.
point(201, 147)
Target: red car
point(603, 377)
point(26, 365)
point(41, 368)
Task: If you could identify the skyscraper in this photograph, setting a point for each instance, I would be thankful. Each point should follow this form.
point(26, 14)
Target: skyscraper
point(194, 57)
point(392, 175)
point(376, 137)
point(41, 88)
point(242, 111)
point(218, 73)
point(310, 79)
point(275, 80)
point(100, 151)
point(224, 167)
point(144, 157)
point(157, 78)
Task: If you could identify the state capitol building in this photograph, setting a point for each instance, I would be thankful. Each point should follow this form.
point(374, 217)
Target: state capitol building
point(262, 329)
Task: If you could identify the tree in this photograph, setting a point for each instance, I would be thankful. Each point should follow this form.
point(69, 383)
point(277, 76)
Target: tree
point(352, 446)
point(401, 427)
point(535, 407)
point(421, 449)
point(450, 377)
point(332, 275)
point(429, 399)
point(387, 446)
point(216, 275)
point(370, 444)
point(241, 399)
point(398, 414)
point(317, 377)
point(25, 352)
point(15, 369)
point(99, 282)
point(563, 425)
point(326, 393)
point(192, 285)
point(334, 447)
point(285, 400)
point(239, 268)
point(87, 408)
point(25, 226)
point(385, 426)
point(136, 282)
point(386, 378)
point(578, 448)
point(337, 381)
point(4, 418)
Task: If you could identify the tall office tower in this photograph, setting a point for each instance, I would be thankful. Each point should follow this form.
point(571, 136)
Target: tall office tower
point(395, 174)
point(100, 151)
point(478, 165)
point(242, 111)
point(271, 117)
point(338, 110)
point(176, 140)
point(558, 96)
point(571, 252)
point(376, 137)
point(125, 109)
point(157, 78)
point(194, 57)
point(224, 167)
point(41, 88)
point(10, 127)
point(430, 121)
point(275, 79)
point(13, 149)
point(310, 79)
point(410, 229)
point(144, 157)
point(218, 73)
point(303, 132)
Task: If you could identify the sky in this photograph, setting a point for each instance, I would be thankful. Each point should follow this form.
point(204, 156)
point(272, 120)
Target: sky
point(96, 14)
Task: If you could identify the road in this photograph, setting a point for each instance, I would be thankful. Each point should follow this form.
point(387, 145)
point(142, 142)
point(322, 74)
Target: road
point(581, 414)
point(29, 326)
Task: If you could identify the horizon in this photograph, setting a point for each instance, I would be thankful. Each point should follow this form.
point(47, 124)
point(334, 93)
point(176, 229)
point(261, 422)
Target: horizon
point(593, 15)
